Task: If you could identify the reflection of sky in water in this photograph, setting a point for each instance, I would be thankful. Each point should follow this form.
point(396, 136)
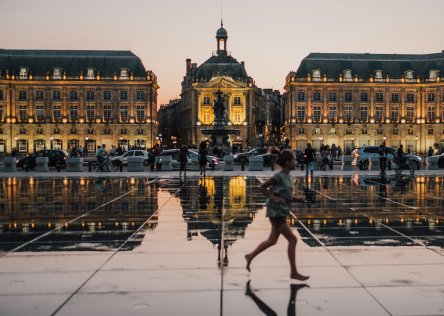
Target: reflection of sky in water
point(112, 213)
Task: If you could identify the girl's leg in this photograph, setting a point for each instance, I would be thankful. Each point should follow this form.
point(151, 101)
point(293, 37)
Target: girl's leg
point(285, 230)
point(272, 239)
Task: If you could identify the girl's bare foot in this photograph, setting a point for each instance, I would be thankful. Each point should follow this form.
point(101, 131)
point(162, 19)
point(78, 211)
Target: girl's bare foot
point(248, 258)
point(299, 277)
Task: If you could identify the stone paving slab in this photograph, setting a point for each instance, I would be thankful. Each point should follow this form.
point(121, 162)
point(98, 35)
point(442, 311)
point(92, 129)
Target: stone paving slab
point(168, 274)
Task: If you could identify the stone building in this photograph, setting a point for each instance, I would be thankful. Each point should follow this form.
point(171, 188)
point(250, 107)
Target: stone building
point(56, 99)
point(169, 123)
point(242, 98)
point(364, 99)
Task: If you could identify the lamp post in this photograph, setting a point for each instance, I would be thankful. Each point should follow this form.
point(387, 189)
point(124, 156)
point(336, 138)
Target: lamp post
point(85, 152)
point(52, 142)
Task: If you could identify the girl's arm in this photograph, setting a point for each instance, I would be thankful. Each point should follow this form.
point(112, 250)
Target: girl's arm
point(265, 191)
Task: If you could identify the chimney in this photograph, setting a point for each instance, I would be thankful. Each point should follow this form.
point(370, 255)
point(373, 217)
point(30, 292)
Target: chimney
point(243, 64)
point(188, 62)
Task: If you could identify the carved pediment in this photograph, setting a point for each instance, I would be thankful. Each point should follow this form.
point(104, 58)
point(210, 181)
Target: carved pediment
point(222, 82)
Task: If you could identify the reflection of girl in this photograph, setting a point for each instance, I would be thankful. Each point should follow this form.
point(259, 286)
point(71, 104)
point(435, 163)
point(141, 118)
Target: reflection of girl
point(202, 157)
point(278, 189)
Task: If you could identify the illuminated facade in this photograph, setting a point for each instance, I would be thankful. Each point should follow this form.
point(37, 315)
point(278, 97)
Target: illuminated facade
point(364, 99)
point(243, 100)
point(59, 99)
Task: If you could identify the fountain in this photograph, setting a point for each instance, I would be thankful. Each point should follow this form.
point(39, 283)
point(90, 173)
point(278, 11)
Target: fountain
point(220, 132)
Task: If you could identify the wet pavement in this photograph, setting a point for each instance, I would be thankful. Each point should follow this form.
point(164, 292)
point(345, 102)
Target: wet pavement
point(154, 245)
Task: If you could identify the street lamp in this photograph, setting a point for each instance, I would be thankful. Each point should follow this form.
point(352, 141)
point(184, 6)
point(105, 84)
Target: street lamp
point(52, 142)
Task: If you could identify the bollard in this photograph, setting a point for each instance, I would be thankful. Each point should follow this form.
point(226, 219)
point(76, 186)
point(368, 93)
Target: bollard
point(152, 166)
point(89, 166)
point(242, 166)
point(272, 166)
point(26, 168)
point(58, 167)
point(120, 166)
point(389, 165)
point(212, 165)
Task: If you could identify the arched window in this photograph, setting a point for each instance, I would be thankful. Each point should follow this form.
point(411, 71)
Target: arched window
point(316, 75)
point(123, 74)
point(23, 73)
point(348, 75)
point(57, 74)
point(90, 73)
point(408, 75)
point(378, 76)
point(433, 74)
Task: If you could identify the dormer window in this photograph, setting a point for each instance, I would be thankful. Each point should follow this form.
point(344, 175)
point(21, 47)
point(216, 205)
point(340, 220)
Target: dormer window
point(57, 74)
point(123, 74)
point(317, 75)
point(23, 73)
point(433, 74)
point(348, 75)
point(408, 75)
point(378, 76)
point(90, 74)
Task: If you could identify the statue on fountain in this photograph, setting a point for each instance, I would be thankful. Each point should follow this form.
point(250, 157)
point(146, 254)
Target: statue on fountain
point(219, 107)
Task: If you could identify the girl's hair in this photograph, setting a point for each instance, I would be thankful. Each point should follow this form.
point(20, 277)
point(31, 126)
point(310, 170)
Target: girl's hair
point(285, 156)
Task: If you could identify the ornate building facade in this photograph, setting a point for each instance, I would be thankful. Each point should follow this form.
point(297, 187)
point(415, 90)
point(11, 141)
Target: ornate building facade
point(363, 99)
point(243, 100)
point(59, 99)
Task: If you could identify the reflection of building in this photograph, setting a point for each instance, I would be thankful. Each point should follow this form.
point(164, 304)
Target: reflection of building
point(57, 99)
point(32, 206)
point(220, 209)
point(245, 104)
point(416, 212)
point(362, 99)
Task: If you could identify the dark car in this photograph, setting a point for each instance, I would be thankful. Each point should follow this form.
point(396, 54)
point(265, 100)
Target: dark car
point(245, 157)
point(441, 161)
point(56, 158)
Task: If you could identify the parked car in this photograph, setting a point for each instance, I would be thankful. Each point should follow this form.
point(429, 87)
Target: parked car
point(131, 153)
point(56, 158)
point(364, 153)
point(174, 153)
point(441, 161)
point(210, 159)
point(245, 157)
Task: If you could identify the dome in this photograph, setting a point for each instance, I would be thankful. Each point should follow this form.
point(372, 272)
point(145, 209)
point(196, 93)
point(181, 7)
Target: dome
point(221, 32)
point(221, 65)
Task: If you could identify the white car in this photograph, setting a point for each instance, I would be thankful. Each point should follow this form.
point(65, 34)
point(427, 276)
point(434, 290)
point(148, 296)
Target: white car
point(132, 153)
point(364, 153)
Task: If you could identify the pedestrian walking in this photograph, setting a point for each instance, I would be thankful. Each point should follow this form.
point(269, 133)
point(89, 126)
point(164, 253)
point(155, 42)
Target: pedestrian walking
point(382, 157)
point(278, 189)
point(325, 154)
point(157, 154)
point(151, 159)
point(339, 152)
point(183, 159)
point(309, 158)
point(430, 152)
